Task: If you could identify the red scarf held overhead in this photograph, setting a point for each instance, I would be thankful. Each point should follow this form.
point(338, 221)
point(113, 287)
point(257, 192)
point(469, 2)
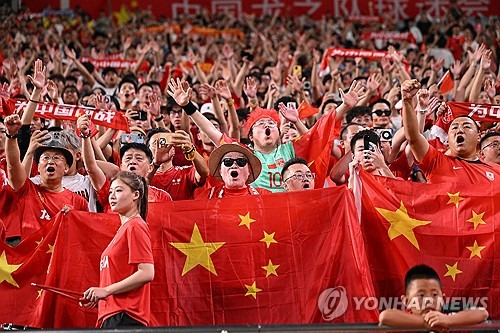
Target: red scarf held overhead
point(354, 53)
point(107, 118)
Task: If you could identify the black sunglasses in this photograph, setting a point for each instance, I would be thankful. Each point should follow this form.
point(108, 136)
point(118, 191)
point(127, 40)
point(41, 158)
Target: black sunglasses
point(379, 113)
point(240, 161)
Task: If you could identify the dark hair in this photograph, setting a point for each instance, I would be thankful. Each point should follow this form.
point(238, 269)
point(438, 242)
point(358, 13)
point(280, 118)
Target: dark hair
point(420, 272)
point(70, 86)
point(145, 84)
point(122, 82)
point(154, 83)
point(243, 113)
point(285, 100)
point(357, 111)
point(210, 116)
point(137, 146)
point(372, 137)
point(107, 70)
point(381, 100)
point(466, 116)
point(343, 132)
point(153, 132)
point(136, 183)
point(59, 77)
point(290, 162)
point(486, 137)
point(328, 101)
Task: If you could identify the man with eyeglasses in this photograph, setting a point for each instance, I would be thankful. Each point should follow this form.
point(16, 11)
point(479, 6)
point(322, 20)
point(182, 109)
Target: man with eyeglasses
point(462, 164)
point(297, 176)
point(236, 166)
point(381, 113)
point(490, 148)
point(36, 204)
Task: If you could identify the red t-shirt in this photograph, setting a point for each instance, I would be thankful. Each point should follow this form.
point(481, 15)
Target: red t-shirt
point(440, 168)
point(154, 195)
point(130, 246)
point(400, 167)
point(221, 191)
point(179, 182)
point(36, 206)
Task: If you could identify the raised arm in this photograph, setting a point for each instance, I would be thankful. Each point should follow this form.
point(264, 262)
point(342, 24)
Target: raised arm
point(36, 141)
point(71, 54)
point(418, 144)
point(349, 100)
point(38, 81)
point(181, 93)
point(16, 174)
point(97, 177)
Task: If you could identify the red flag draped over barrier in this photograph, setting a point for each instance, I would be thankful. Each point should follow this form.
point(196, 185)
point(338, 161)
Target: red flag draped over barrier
point(216, 262)
point(449, 228)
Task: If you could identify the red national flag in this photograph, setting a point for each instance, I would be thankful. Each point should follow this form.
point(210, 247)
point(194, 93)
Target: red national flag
point(306, 111)
point(446, 83)
point(449, 228)
point(315, 146)
point(217, 262)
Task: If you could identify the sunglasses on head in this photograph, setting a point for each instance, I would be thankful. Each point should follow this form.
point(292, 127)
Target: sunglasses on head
point(379, 113)
point(240, 161)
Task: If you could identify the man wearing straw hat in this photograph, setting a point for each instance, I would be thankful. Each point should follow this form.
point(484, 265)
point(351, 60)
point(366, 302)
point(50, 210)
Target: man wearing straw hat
point(236, 166)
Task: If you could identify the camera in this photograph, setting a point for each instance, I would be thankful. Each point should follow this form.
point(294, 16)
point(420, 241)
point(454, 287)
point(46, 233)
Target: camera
point(385, 134)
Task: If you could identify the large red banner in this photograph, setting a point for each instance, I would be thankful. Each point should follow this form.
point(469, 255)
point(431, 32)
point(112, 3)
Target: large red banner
point(271, 259)
point(397, 9)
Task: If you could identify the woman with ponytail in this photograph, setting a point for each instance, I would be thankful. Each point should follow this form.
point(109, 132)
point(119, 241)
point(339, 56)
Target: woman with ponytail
point(123, 295)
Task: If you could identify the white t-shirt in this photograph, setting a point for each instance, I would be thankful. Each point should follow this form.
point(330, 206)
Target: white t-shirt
point(78, 184)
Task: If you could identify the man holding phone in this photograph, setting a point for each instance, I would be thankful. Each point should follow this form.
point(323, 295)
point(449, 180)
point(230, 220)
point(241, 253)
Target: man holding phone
point(365, 147)
point(179, 181)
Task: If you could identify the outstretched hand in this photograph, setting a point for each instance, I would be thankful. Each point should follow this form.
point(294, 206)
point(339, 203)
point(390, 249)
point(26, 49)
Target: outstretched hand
point(181, 92)
point(354, 95)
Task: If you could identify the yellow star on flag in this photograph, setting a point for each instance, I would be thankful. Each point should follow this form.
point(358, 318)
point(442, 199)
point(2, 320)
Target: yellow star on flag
point(39, 242)
point(475, 250)
point(477, 219)
point(51, 248)
point(268, 239)
point(6, 270)
point(198, 252)
point(39, 293)
point(401, 223)
point(271, 269)
point(253, 290)
point(122, 16)
point(453, 271)
point(454, 199)
point(246, 220)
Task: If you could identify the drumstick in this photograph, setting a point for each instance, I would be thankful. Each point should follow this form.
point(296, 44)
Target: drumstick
point(76, 296)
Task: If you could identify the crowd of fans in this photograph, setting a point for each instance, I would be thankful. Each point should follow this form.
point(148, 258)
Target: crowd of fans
point(215, 105)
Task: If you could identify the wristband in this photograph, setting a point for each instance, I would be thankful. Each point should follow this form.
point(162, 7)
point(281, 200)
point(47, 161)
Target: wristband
point(422, 111)
point(160, 118)
point(190, 108)
point(83, 136)
point(12, 136)
point(230, 102)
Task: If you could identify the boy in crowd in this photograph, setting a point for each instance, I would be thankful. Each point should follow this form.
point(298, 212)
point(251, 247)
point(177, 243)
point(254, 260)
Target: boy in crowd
point(424, 299)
